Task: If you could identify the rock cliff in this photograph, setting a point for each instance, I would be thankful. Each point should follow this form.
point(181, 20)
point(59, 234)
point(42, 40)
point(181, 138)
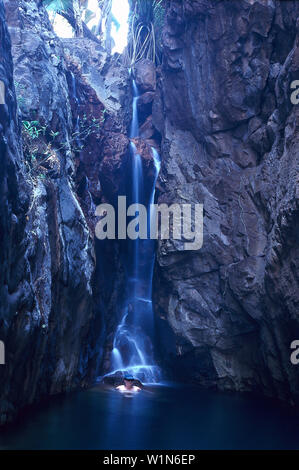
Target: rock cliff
point(52, 320)
point(230, 141)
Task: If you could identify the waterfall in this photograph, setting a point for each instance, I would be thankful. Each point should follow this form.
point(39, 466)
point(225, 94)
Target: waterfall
point(132, 350)
point(137, 177)
point(135, 121)
point(74, 89)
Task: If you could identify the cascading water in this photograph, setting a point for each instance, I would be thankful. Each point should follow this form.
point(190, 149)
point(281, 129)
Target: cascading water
point(135, 121)
point(133, 342)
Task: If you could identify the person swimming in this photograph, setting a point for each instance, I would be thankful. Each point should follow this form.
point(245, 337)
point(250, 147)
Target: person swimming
point(128, 385)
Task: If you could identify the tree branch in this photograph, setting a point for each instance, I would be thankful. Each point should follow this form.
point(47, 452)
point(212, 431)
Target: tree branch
point(86, 31)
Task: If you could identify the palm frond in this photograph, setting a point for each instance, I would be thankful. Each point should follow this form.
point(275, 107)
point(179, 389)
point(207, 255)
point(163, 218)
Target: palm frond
point(89, 15)
point(58, 5)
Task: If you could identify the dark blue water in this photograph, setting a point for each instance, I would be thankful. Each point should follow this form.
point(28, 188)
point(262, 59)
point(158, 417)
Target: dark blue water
point(167, 418)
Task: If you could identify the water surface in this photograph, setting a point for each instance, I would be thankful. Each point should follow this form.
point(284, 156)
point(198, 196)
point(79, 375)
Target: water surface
point(166, 418)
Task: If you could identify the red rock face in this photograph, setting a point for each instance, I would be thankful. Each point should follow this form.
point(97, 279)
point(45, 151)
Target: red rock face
point(145, 73)
point(147, 130)
point(102, 88)
point(145, 151)
point(113, 164)
point(229, 141)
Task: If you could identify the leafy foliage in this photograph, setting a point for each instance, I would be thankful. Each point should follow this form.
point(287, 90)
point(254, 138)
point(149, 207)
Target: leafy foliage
point(41, 144)
point(84, 129)
point(58, 5)
point(36, 148)
point(32, 130)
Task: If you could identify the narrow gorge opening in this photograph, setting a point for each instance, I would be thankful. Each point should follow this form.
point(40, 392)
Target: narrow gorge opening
point(131, 349)
point(127, 346)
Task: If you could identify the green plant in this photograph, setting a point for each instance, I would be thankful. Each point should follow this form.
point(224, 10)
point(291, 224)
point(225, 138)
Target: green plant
point(103, 118)
point(37, 150)
point(54, 134)
point(41, 146)
point(32, 130)
point(84, 129)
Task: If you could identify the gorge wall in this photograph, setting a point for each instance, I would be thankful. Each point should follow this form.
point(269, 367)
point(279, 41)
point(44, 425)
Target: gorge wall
point(47, 317)
point(55, 299)
point(229, 312)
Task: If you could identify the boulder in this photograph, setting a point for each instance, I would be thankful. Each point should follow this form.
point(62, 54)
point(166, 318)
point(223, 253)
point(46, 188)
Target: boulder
point(145, 73)
point(147, 129)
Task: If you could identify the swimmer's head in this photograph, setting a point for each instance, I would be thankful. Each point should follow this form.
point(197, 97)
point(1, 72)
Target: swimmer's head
point(129, 381)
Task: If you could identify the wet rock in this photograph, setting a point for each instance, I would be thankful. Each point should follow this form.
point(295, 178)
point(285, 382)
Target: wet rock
point(147, 129)
point(229, 309)
point(113, 165)
point(146, 98)
point(102, 93)
point(48, 320)
point(145, 104)
point(145, 73)
point(117, 379)
point(144, 150)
